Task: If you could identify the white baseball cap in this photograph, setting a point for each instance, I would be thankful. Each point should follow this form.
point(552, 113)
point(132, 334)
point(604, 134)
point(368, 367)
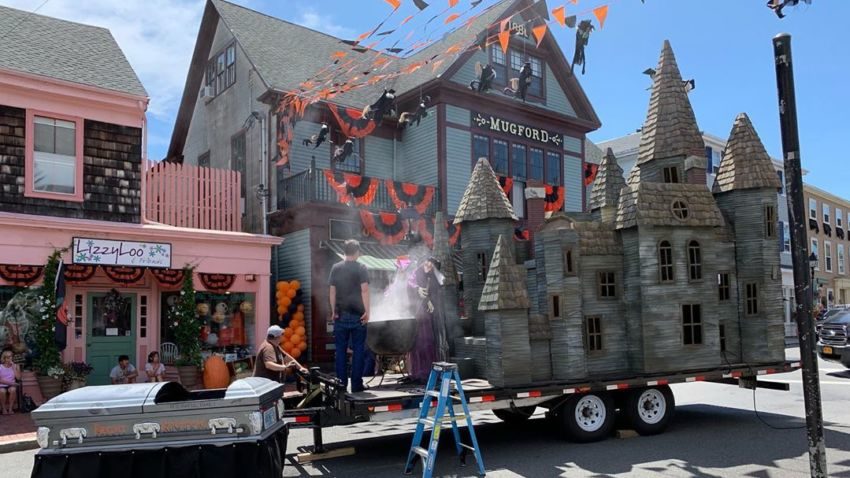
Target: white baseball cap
point(275, 331)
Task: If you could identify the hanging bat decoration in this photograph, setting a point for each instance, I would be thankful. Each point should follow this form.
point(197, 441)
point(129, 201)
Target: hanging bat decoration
point(778, 5)
point(383, 107)
point(318, 139)
point(421, 112)
point(486, 75)
point(341, 153)
point(522, 83)
point(582, 37)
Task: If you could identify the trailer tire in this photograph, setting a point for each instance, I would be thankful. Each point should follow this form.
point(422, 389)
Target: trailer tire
point(587, 418)
point(514, 415)
point(650, 410)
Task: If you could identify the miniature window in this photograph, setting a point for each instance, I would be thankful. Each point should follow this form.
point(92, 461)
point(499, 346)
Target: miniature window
point(694, 261)
point(826, 213)
point(723, 288)
point(722, 337)
point(815, 252)
point(569, 269)
point(770, 221)
point(54, 150)
point(665, 261)
point(607, 285)
point(535, 157)
point(840, 258)
point(204, 160)
point(827, 254)
point(482, 266)
point(671, 175)
point(556, 307)
point(593, 333)
point(813, 208)
point(680, 210)
point(691, 324)
point(752, 297)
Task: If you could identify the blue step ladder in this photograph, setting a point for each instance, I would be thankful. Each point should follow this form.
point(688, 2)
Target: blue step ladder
point(445, 373)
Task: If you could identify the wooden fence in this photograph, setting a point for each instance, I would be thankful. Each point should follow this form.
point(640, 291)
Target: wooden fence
point(194, 197)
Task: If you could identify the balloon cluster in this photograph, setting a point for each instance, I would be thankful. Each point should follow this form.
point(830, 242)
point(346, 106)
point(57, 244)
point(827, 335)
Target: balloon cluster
point(290, 311)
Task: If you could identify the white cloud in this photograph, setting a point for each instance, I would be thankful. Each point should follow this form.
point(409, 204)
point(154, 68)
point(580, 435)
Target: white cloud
point(157, 36)
point(310, 18)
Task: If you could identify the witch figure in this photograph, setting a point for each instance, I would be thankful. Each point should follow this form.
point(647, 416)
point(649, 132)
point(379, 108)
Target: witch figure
point(431, 342)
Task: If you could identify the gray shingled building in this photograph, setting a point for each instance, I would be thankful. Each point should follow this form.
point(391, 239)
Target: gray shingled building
point(661, 275)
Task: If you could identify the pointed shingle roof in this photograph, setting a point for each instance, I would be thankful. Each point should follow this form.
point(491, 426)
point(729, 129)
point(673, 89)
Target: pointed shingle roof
point(670, 128)
point(745, 163)
point(609, 181)
point(442, 250)
point(483, 198)
point(505, 287)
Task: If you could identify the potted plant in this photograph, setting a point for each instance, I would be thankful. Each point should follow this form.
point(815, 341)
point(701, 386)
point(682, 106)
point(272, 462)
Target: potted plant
point(48, 362)
point(75, 375)
point(183, 320)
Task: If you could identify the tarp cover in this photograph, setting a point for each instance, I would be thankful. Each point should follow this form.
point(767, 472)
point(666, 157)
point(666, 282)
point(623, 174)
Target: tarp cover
point(260, 459)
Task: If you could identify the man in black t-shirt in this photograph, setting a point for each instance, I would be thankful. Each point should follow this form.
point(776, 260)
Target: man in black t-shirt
point(349, 296)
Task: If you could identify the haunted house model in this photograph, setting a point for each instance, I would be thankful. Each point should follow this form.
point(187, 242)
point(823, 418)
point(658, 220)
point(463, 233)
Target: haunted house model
point(661, 275)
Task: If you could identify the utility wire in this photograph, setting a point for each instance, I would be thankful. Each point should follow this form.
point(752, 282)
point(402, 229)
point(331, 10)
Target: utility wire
point(9, 31)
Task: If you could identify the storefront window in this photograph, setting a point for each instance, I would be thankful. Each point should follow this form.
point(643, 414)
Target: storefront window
point(536, 158)
point(227, 322)
point(480, 147)
point(500, 156)
point(553, 168)
point(519, 161)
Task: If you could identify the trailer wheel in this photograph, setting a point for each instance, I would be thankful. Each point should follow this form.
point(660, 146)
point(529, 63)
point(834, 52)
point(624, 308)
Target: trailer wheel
point(649, 410)
point(587, 418)
point(514, 415)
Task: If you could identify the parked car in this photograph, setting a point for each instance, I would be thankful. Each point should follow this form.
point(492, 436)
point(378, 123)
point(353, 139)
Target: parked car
point(832, 338)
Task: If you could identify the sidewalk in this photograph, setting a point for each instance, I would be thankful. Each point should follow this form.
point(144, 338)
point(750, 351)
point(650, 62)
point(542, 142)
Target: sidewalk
point(17, 432)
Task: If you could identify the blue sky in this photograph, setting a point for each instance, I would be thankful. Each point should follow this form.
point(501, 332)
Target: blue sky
point(725, 45)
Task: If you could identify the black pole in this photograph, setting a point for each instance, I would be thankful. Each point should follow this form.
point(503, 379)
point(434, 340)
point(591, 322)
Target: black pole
point(802, 282)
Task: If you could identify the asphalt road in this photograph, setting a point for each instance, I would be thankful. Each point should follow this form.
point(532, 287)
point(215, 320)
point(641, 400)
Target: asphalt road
point(715, 433)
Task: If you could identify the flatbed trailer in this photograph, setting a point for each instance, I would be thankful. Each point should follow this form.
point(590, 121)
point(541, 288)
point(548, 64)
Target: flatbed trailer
point(584, 409)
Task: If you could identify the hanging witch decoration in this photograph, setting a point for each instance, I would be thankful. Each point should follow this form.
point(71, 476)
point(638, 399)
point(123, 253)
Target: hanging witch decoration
point(582, 37)
point(385, 106)
point(778, 5)
point(519, 86)
point(421, 112)
point(486, 74)
point(318, 138)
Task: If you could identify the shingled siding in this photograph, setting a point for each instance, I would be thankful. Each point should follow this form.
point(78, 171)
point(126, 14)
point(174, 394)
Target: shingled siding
point(614, 355)
point(479, 237)
point(458, 166)
point(762, 335)
point(111, 172)
point(419, 147)
point(632, 297)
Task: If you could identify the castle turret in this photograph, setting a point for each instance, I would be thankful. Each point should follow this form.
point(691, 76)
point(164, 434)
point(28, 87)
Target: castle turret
point(745, 189)
point(443, 253)
point(485, 213)
point(504, 303)
point(671, 146)
point(605, 194)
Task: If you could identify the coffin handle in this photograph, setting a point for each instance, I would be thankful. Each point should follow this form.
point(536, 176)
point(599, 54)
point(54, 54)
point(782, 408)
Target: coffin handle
point(222, 423)
point(143, 428)
point(66, 433)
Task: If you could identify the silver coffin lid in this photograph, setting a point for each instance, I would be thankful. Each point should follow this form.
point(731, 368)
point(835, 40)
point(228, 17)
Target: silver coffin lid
point(99, 401)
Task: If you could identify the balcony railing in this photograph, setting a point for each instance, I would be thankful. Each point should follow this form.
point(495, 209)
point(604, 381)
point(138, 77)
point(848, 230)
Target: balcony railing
point(311, 186)
point(190, 196)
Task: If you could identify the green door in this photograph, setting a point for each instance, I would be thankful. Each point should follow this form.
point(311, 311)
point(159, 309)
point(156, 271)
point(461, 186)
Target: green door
point(111, 332)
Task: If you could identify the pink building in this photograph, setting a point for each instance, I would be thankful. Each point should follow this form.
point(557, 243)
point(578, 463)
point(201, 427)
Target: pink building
point(74, 176)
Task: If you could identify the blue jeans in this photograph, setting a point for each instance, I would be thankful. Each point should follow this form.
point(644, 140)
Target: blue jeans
point(348, 328)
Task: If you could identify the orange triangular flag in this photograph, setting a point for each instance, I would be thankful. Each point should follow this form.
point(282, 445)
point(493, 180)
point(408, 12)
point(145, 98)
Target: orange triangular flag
point(364, 36)
point(575, 2)
point(504, 40)
point(601, 13)
point(339, 54)
point(453, 3)
point(436, 65)
point(395, 3)
point(451, 18)
point(406, 20)
point(539, 33)
point(504, 24)
point(559, 15)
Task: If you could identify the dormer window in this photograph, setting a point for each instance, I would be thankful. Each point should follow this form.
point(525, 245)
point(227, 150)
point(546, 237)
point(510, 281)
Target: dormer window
point(671, 175)
point(54, 157)
point(680, 210)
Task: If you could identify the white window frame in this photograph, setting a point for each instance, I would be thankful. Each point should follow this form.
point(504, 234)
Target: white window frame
point(813, 208)
point(839, 217)
point(814, 248)
point(826, 209)
point(827, 254)
point(786, 238)
point(839, 256)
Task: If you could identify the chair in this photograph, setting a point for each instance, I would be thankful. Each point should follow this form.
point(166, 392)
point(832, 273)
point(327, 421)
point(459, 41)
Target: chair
point(168, 353)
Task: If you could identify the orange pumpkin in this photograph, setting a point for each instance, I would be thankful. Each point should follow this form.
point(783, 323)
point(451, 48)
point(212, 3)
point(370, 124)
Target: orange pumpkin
point(216, 374)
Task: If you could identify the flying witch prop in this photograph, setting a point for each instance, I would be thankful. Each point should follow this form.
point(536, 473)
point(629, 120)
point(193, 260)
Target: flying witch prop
point(385, 106)
point(778, 5)
point(485, 75)
point(421, 112)
point(582, 37)
point(519, 86)
point(343, 152)
point(319, 138)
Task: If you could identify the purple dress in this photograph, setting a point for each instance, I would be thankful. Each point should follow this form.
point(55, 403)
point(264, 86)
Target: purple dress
point(430, 325)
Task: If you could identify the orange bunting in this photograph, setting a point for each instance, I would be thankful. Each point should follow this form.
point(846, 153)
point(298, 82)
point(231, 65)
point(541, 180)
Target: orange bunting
point(575, 2)
point(436, 65)
point(340, 54)
point(559, 15)
point(601, 13)
point(539, 33)
point(406, 20)
point(364, 36)
point(453, 49)
point(394, 3)
point(451, 18)
point(452, 3)
point(504, 40)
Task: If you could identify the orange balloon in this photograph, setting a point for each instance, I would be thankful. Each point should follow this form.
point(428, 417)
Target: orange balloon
point(283, 285)
point(287, 332)
point(284, 302)
point(295, 284)
point(301, 331)
point(296, 338)
point(298, 316)
point(290, 293)
point(281, 310)
point(295, 353)
point(302, 346)
point(295, 323)
point(300, 308)
point(279, 294)
point(287, 345)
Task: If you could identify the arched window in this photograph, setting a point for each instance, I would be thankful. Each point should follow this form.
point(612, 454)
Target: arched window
point(665, 261)
point(694, 261)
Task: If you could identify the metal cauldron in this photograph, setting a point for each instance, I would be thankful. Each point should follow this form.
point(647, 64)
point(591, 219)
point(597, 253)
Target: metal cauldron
point(391, 337)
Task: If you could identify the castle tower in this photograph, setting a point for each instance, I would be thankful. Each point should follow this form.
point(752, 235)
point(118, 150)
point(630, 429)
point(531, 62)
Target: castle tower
point(671, 146)
point(442, 252)
point(484, 214)
point(745, 189)
point(606, 188)
point(504, 303)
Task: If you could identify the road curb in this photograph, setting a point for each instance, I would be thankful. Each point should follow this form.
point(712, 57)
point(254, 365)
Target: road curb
point(20, 445)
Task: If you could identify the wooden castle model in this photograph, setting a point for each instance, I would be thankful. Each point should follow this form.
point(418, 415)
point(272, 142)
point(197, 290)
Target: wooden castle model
point(662, 274)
